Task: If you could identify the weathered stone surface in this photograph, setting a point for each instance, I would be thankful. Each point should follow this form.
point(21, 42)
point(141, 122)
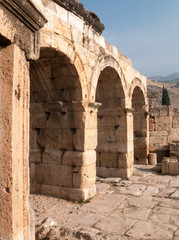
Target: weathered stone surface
point(102, 187)
point(111, 180)
point(50, 156)
point(35, 155)
point(115, 224)
point(48, 174)
point(137, 187)
point(74, 158)
point(174, 182)
point(142, 202)
point(149, 230)
point(151, 191)
point(113, 215)
point(175, 194)
point(77, 8)
point(62, 64)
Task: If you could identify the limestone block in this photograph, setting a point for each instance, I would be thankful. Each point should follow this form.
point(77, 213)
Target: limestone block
point(114, 172)
point(35, 155)
point(101, 41)
point(36, 107)
point(33, 139)
point(75, 21)
point(50, 156)
point(77, 36)
point(173, 168)
point(81, 181)
point(116, 147)
point(90, 119)
point(119, 112)
point(58, 120)
point(60, 27)
point(130, 146)
point(163, 123)
point(97, 159)
point(53, 174)
point(173, 135)
point(153, 147)
point(38, 119)
point(75, 158)
point(175, 122)
point(172, 147)
point(56, 139)
point(152, 158)
point(67, 192)
point(103, 146)
point(140, 147)
point(84, 177)
point(33, 172)
point(63, 13)
point(121, 133)
point(126, 160)
point(151, 124)
point(165, 165)
point(66, 119)
point(123, 147)
point(108, 159)
point(106, 134)
point(85, 139)
point(159, 137)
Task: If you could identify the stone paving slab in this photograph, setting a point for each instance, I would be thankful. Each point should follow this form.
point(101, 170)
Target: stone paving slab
point(174, 182)
point(115, 224)
point(137, 187)
point(151, 191)
point(142, 202)
point(175, 194)
point(151, 230)
point(103, 204)
point(144, 207)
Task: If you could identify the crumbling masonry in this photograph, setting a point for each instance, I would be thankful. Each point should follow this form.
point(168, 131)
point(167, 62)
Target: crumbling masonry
point(88, 107)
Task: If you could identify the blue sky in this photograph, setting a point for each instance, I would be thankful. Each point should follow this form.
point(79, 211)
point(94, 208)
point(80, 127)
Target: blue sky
point(147, 31)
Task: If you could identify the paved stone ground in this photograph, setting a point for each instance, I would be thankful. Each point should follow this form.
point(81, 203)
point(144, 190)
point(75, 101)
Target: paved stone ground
point(144, 207)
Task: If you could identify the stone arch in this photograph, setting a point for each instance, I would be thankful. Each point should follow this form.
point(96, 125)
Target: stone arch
point(112, 124)
point(138, 83)
point(67, 47)
point(56, 116)
point(140, 123)
point(106, 61)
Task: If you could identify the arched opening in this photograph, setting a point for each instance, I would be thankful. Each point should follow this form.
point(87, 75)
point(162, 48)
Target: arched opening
point(140, 127)
point(55, 91)
point(112, 128)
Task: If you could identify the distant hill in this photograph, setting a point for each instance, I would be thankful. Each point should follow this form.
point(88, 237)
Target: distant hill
point(174, 77)
point(173, 89)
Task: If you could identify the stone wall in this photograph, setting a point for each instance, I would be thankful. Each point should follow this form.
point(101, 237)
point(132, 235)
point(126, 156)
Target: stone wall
point(17, 43)
point(78, 68)
point(71, 72)
point(164, 129)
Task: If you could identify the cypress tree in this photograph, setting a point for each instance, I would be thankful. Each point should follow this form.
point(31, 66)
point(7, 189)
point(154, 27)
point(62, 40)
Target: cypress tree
point(165, 97)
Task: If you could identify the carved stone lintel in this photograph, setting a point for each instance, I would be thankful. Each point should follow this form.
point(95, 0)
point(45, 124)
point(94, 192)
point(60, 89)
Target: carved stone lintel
point(25, 20)
point(26, 12)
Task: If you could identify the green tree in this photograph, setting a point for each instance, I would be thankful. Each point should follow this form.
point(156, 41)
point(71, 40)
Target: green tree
point(165, 97)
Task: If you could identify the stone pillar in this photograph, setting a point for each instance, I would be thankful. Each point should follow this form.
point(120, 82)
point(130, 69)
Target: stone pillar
point(141, 137)
point(129, 143)
point(115, 143)
point(14, 144)
point(65, 166)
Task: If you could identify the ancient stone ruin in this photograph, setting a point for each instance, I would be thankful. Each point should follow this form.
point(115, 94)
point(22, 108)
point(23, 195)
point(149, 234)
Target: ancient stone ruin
point(72, 106)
